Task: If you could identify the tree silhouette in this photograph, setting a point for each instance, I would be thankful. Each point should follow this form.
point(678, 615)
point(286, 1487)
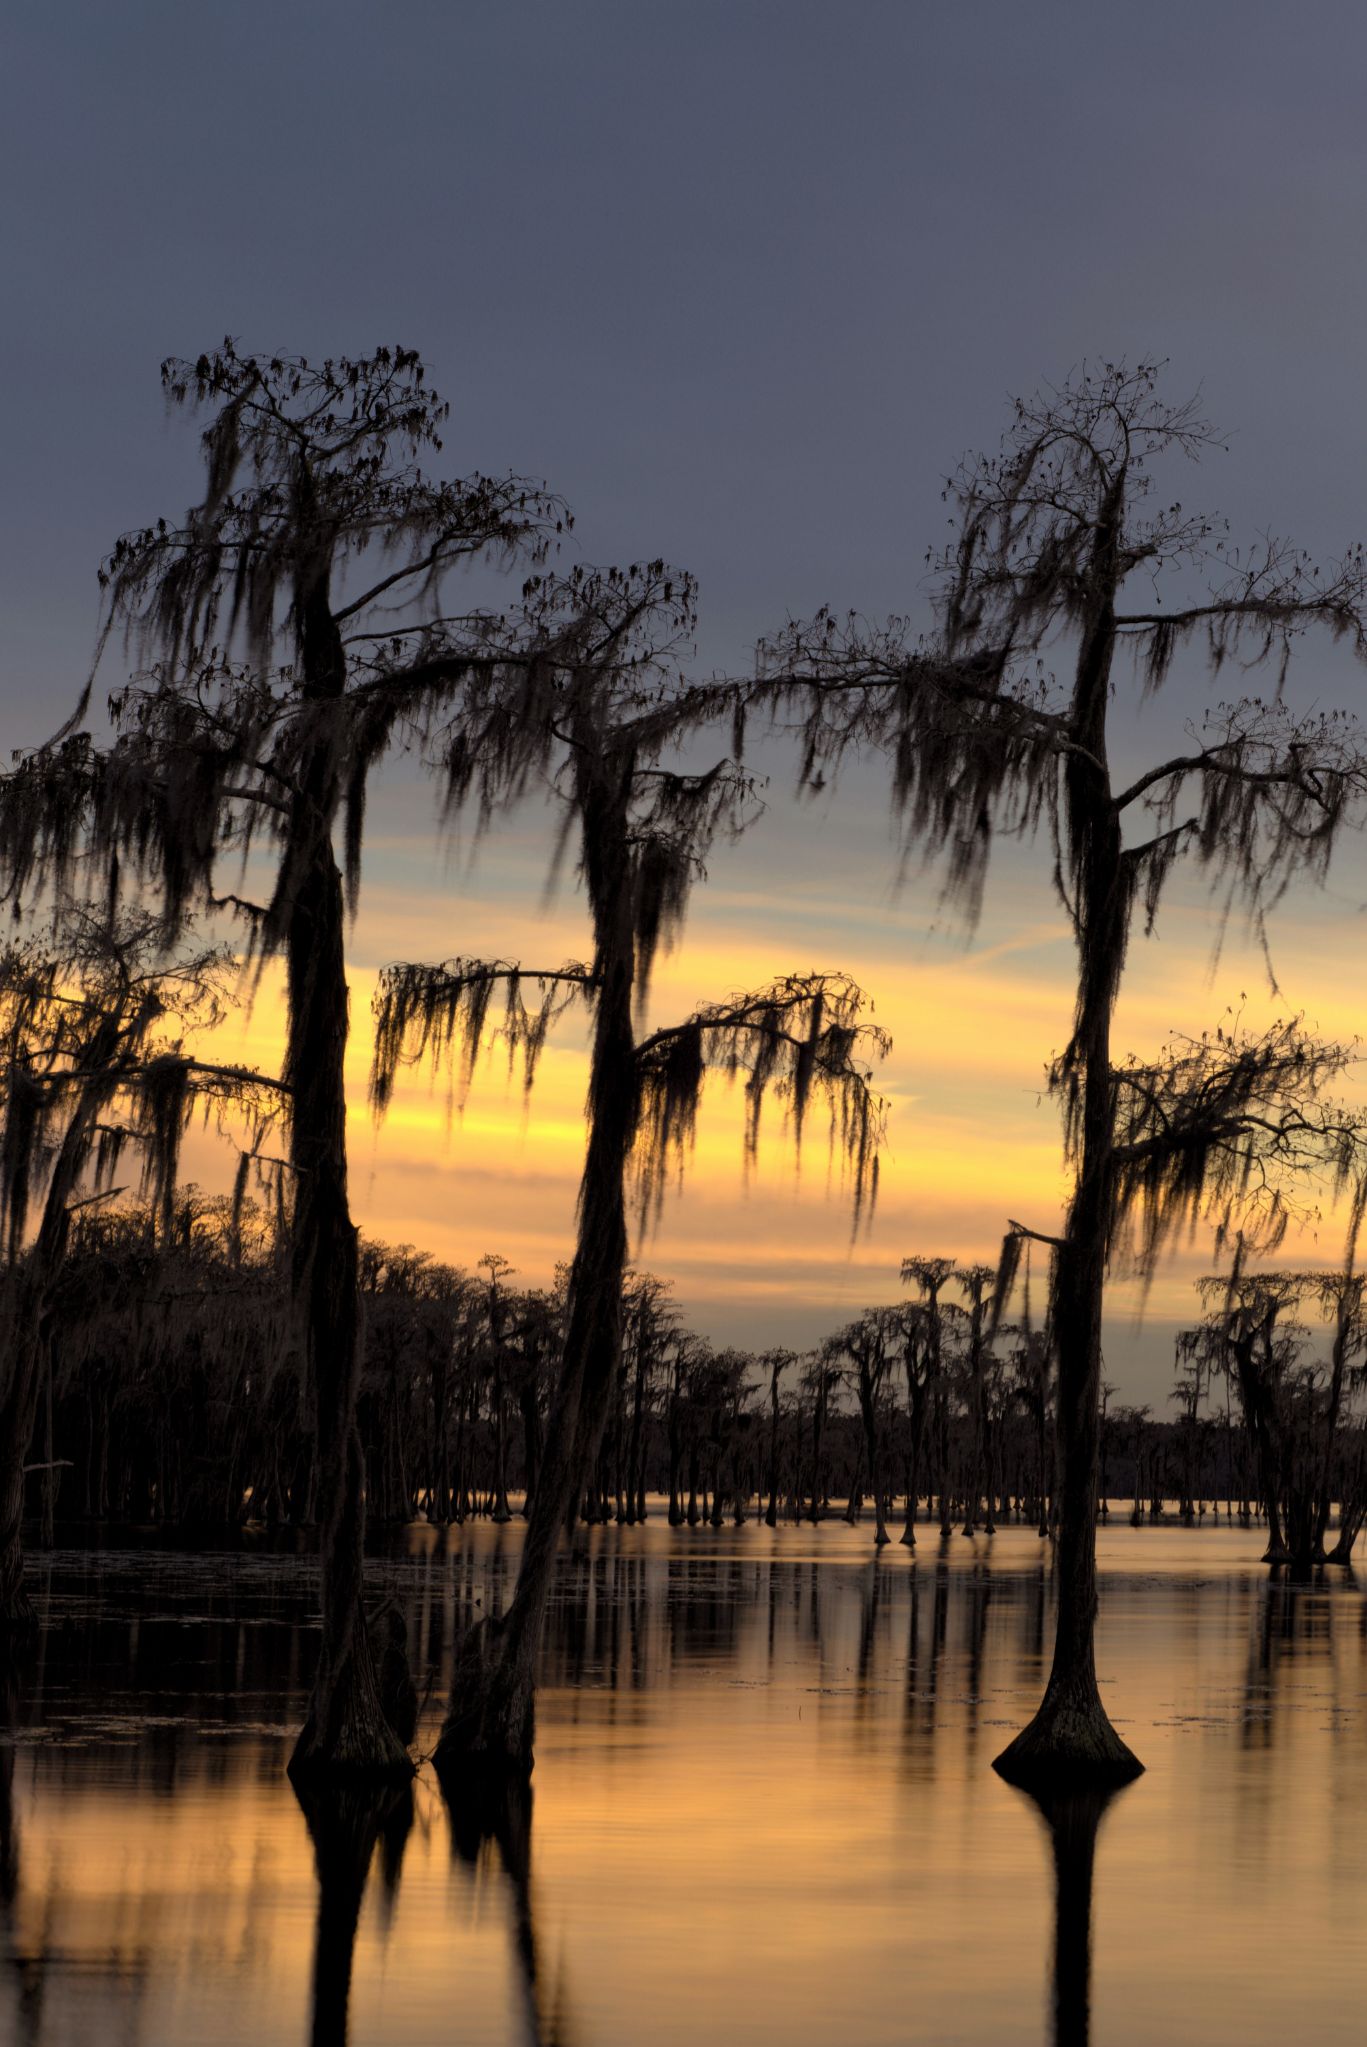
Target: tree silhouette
point(652, 1321)
point(318, 537)
point(870, 1347)
point(1073, 1816)
point(1292, 1405)
point(643, 830)
point(1224, 1130)
point(927, 1383)
point(346, 1822)
point(776, 1362)
point(93, 1022)
point(1051, 536)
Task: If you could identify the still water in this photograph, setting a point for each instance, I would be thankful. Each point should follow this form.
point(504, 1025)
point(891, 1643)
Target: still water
point(762, 1809)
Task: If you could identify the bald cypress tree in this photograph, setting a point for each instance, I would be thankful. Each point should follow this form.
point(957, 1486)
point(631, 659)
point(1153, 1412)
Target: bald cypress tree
point(1058, 545)
point(643, 830)
point(297, 626)
point(1292, 1404)
point(927, 1381)
point(870, 1347)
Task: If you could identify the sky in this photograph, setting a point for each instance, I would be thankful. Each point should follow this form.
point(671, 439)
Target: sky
point(742, 281)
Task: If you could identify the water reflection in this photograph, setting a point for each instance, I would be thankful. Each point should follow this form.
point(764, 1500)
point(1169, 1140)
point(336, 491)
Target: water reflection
point(763, 1802)
point(346, 1823)
point(496, 1821)
point(1072, 1819)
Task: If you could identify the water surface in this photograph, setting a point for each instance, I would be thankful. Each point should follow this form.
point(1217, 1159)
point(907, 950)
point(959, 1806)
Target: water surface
point(762, 1806)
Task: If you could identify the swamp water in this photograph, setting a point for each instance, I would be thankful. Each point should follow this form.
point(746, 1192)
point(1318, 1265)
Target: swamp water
point(762, 1808)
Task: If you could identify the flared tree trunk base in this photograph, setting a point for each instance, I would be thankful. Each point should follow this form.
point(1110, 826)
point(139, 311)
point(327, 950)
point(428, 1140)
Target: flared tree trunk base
point(372, 1753)
point(1069, 1742)
point(393, 1677)
point(491, 1722)
point(346, 1734)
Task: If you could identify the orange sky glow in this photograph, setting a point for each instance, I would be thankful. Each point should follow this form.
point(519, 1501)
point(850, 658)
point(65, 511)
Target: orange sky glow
point(767, 1256)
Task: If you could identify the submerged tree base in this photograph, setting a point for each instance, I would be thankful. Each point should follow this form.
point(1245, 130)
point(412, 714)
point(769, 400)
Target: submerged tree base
point(347, 1734)
point(1070, 1741)
point(491, 1722)
point(377, 1755)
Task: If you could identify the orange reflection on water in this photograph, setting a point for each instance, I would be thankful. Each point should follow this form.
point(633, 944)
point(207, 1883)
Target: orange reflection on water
point(762, 1805)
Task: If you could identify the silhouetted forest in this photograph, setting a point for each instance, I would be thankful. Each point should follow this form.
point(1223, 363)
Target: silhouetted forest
point(174, 1402)
point(192, 1362)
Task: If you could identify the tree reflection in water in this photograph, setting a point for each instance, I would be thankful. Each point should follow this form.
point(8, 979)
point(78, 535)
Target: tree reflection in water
point(491, 1818)
point(157, 1881)
point(491, 1825)
point(1073, 1816)
point(11, 1950)
point(345, 1822)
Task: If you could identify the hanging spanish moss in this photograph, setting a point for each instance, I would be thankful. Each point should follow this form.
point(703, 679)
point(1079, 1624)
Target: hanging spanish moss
point(804, 1039)
point(439, 1016)
point(1051, 536)
point(644, 829)
point(92, 1025)
point(1233, 1130)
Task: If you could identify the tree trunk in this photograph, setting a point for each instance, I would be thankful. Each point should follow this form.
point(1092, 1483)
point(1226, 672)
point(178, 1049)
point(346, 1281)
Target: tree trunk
point(23, 1317)
point(676, 1512)
point(1070, 1737)
point(916, 1419)
point(16, 1612)
point(439, 1467)
point(978, 1484)
point(818, 1432)
point(50, 1473)
point(502, 1512)
point(942, 1448)
point(531, 1439)
point(345, 1728)
point(490, 1721)
point(636, 1484)
point(854, 1504)
point(868, 1414)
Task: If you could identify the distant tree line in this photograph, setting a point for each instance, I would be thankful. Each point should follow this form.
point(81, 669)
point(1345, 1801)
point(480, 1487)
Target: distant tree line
point(174, 1401)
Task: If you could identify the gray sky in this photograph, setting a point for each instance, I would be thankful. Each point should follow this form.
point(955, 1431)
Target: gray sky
point(741, 280)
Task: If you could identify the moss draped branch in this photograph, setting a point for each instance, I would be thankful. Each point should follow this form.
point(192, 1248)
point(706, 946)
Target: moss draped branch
point(1231, 1129)
point(803, 1039)
point(438, 1015)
